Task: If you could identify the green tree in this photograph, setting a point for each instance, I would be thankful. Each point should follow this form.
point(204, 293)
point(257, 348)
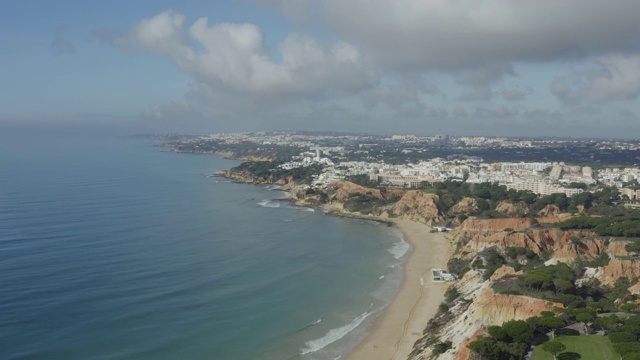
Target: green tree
point(551, 323)
point(553, 347)
point(629, 307)
point(519, 330)
point(622, 337)
point(586, 316)
point(498, 333)
point(487, 349)
point(627, 348)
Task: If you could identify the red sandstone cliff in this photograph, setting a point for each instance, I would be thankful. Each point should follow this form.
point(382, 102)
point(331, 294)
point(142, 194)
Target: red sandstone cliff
point(417, 206)
point(342, 190)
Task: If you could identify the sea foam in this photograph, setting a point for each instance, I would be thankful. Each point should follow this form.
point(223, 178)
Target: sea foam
point(399, 249)
point(269, 204)
point(335, 334)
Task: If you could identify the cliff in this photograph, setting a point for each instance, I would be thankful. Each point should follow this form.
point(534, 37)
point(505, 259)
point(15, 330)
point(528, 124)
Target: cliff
point(247, 177)
point(341, 190)
point(618, 268)
point(512, 209)
point(465, 206)
point(479, 307)
point(417, 206)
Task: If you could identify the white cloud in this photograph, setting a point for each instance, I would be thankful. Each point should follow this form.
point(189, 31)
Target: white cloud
point(604, 79)
point(234, 56)
point(569, 90)
point(620, 81)
point(457, 34)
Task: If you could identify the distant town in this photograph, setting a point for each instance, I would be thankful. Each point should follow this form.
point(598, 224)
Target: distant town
point(542, 166)
point(542, 235)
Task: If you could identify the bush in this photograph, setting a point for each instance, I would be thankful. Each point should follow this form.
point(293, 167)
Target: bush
point(443, 307)
point(626, 348)
point(629, 307)
point(458, 266)
point(622, 337)
point(441, 348)
point(451, 294)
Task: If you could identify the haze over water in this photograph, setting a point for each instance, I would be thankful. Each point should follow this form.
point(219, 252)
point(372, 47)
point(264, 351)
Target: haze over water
point(111, 248)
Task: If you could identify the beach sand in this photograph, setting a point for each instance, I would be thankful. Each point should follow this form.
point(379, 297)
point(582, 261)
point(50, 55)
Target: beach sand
point(393, 334)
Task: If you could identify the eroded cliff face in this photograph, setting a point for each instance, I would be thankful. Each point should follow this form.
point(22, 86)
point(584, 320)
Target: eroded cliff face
point(342, 190)
point(484, 227)
point(417, 206)
point(466, 206)
point(510, 209)
point(618, 268)
point(481, 308)
point(411, 205)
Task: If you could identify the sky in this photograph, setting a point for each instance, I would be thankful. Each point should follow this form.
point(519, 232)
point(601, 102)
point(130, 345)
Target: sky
point(424, 67)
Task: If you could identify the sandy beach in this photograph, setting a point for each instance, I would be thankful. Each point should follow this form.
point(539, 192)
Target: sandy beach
point(402, 322)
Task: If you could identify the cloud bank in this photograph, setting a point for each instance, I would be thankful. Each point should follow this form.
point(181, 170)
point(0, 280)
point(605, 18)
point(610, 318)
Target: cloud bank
point(411, 62)
point(234, 56)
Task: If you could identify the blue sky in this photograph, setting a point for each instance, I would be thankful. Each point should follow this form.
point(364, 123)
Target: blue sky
point(488, 67)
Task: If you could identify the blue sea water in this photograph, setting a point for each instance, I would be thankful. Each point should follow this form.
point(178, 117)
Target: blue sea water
point(112, 248)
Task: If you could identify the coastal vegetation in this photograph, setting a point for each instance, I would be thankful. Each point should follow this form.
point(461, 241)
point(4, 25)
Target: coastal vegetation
point(269, 172)
point(583, 347)
point(511, 340)
point(515, 246)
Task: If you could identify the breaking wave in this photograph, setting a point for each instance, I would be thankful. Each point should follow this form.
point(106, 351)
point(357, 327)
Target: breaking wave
point(335, 334)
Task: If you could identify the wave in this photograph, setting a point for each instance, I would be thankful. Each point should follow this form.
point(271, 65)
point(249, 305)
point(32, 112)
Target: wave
point(318, 321)
point(335, 334)
point(269, 204)
point(399, 249)
point(309, 210)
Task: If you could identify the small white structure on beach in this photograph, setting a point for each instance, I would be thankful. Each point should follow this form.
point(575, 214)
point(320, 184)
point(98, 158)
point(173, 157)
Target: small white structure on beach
point(442, 228)
point(442, 275)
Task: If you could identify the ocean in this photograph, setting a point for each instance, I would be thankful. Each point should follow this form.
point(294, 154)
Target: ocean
point(114, 248)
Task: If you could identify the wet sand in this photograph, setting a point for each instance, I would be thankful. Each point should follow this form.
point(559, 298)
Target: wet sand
point(393, 334)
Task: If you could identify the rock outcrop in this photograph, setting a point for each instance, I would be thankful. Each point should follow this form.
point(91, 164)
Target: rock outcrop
point(465, 206)
point(342, 190)
point(417, 206)
point(509, 208)
point(479, 306)
point(550, 210)
point(482, 308)
point(618, 268)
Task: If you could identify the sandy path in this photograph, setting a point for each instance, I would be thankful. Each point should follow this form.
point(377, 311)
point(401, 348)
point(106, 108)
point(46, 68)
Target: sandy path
point(397, 329)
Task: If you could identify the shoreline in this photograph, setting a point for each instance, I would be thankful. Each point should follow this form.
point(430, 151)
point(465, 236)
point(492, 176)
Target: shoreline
point(394, 332)
point(402, 322)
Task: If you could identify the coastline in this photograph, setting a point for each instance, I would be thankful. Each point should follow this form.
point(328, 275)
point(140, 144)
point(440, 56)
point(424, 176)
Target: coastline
point(393, 334)
point(402, 322)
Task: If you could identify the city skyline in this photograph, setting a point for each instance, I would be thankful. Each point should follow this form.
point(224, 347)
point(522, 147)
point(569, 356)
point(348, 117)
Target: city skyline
point(537, 68)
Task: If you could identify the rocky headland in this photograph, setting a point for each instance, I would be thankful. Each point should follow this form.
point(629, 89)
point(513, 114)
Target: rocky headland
point(488, 293)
